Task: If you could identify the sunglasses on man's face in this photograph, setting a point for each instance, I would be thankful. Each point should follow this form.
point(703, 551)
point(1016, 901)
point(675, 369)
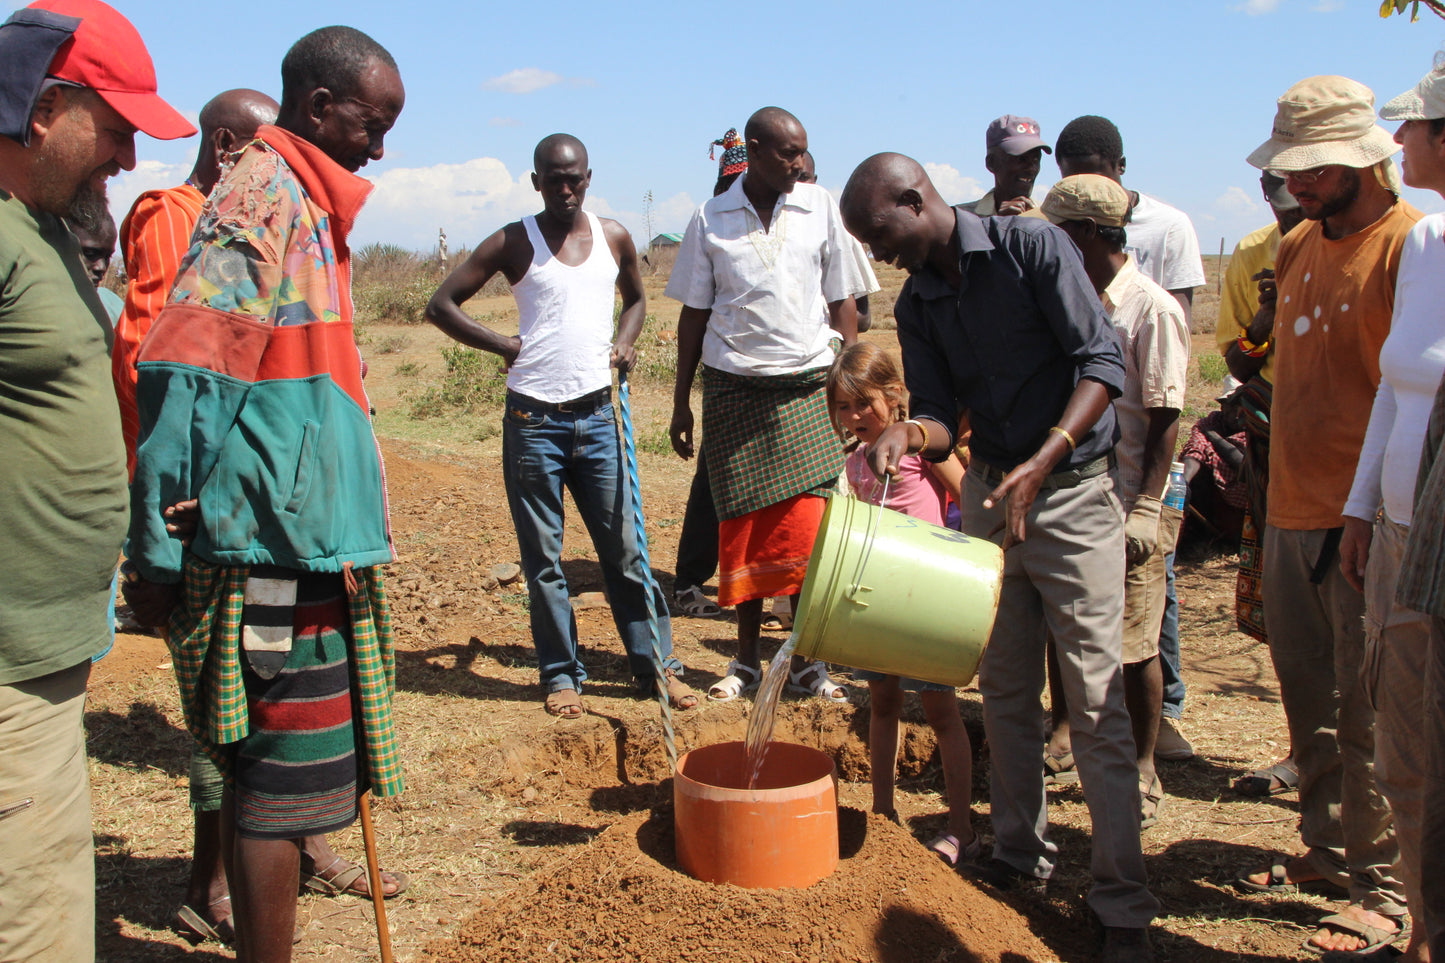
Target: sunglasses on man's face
point(1305, 178)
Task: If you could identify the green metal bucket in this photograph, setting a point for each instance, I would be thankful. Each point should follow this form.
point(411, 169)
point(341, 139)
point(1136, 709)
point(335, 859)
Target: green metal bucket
point(898, 595)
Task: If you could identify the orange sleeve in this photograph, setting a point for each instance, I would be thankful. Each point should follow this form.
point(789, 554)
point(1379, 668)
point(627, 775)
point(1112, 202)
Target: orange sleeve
point(153, 239)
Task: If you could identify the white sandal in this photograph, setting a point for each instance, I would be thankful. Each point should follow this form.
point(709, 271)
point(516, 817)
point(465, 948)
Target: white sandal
point(739, 679)
point(820, 685)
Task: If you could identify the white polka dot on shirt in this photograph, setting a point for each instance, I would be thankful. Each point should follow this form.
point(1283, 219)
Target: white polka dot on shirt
point(1301, 326)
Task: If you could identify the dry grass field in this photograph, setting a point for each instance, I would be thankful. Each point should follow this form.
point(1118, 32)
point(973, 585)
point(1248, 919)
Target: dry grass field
point(502, 797)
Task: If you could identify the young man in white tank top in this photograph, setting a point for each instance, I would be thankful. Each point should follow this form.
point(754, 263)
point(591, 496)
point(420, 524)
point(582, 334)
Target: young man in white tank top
point(559, 429)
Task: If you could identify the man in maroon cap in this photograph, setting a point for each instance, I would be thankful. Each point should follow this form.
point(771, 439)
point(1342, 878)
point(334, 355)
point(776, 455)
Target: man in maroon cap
point(1016, 150)
point(76, 83)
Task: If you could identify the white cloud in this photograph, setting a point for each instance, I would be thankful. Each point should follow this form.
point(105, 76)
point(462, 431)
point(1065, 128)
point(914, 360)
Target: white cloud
point(1257, 7)
point(470, 200)
point(148, 175)
point(474, 198)
point(504, 122)
point(673, 214)
point(526, 80)
point(952, 186)
point(1237, 202)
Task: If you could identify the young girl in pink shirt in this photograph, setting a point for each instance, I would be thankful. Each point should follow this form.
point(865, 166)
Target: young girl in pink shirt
point(865, 395)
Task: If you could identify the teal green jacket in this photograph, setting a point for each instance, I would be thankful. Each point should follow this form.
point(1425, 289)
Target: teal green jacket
point(249, 383)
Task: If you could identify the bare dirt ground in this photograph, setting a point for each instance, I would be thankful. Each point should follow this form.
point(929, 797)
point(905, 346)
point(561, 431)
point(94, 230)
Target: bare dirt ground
point(524, 835)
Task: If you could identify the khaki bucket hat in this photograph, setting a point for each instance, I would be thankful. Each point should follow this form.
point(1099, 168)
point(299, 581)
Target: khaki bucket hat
point(1425, 102)
point(1325, 120)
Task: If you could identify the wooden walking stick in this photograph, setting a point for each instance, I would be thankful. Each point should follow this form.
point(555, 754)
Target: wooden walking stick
point(373, 874)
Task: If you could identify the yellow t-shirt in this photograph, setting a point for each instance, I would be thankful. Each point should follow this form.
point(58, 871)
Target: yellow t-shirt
point(1240, 299)
point(1336, 298)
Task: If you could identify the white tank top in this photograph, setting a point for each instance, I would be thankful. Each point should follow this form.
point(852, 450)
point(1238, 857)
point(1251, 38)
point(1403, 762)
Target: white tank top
point(566, 320)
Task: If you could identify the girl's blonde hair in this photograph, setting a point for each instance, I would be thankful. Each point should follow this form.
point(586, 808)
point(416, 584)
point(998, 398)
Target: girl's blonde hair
point(864, 369)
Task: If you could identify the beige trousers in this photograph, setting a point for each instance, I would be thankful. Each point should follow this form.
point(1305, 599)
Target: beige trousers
point(47, 866)
point(1397, 642)
point(1317, 641)
point(1066, 579)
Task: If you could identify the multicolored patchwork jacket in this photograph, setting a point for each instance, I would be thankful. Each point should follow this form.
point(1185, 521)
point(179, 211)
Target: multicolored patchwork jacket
point(249, 382)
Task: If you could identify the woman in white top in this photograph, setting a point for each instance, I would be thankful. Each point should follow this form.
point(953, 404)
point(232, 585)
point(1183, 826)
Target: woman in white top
point(1378, 512)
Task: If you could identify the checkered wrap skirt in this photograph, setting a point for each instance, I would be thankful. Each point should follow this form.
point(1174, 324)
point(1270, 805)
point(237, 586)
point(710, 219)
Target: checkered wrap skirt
point(767, 439)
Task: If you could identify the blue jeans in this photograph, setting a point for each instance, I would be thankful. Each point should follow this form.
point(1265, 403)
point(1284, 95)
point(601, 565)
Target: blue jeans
point(544, 450)
point(1169, 647)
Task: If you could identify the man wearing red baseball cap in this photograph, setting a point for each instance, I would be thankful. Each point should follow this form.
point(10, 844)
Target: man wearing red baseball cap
point(76, 84)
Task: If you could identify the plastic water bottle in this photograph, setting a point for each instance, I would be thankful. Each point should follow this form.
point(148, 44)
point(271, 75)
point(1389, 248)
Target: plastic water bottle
point(1178, 489)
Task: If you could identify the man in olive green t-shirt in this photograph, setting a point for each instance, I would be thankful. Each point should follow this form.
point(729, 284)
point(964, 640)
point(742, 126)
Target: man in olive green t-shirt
point(62, 462)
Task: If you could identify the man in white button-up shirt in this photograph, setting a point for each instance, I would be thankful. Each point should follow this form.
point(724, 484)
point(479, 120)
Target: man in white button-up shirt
point(767, 278)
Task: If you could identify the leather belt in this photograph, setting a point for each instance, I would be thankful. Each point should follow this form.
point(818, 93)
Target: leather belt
point(588, 402)
point(1072, 478)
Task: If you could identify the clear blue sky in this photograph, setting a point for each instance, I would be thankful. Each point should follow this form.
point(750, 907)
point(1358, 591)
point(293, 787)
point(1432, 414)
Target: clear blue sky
point(647, 85)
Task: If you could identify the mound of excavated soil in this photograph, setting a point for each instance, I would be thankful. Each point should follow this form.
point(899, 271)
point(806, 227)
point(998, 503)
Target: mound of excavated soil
point(622, 898)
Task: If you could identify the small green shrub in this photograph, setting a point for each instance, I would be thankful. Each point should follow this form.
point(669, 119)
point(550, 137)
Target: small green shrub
point(400, 303)
point(473, 380)
point(392, 344)
point(655, 441)
point(656, 352)
point(408, 369)
point(1212, 368)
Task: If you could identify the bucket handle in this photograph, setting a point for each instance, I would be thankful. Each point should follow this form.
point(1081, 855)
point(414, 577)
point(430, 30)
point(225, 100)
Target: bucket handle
point(872, 537)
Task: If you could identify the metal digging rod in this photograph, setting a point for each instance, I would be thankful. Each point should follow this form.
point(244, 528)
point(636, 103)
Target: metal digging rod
point(634, 484)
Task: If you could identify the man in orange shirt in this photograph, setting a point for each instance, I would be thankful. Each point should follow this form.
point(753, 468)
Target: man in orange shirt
point(156, 234)
point(1335, 294)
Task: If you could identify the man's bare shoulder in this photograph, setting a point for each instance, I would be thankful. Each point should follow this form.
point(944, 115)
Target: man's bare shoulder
point(613, 230)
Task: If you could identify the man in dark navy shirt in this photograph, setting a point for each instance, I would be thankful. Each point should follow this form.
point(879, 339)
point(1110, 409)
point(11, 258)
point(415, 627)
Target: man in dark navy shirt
point(999, 321)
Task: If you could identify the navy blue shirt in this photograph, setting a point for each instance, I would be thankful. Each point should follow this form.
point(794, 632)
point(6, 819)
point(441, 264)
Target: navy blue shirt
point(1010, 346)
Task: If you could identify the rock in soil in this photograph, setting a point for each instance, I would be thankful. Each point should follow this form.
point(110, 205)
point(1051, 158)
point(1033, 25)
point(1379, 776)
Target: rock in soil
point(506, 572)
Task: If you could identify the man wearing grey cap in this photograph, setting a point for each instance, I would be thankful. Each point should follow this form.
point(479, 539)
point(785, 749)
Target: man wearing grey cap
point(1392, 545)
point(1336, 291)
point(1015, 153)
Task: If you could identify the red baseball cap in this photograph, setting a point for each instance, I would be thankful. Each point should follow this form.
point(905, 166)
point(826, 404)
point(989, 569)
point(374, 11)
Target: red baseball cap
point(107, 55)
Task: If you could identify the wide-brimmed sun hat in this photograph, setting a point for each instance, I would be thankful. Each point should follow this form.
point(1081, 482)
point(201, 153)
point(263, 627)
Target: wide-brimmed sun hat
point(1325, 120)
point(1425, 102)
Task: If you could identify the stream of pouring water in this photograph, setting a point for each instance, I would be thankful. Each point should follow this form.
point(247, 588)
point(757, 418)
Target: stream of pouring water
point(765, 707)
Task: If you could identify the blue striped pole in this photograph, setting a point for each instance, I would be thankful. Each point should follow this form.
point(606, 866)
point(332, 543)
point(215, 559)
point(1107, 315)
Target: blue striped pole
point(634, 485)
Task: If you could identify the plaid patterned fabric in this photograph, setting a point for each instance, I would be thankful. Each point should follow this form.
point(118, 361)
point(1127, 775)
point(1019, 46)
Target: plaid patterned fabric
point(767, 439)
point(205, 642)
point(1231, 488)
point(1421, 585)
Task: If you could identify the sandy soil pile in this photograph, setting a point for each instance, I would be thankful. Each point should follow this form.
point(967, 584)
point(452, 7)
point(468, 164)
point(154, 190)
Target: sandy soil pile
point(622, 898)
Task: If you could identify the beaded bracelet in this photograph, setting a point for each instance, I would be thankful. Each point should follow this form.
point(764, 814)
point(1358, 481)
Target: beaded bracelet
point(1251, 349)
